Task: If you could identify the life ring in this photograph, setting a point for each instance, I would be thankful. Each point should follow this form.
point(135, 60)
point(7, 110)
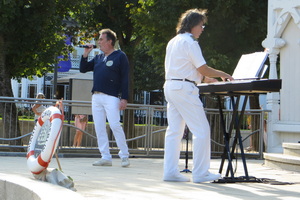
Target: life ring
point(44, 138)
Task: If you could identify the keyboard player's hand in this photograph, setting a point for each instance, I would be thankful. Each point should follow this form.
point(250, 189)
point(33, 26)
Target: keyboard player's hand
point(210, 80)
point(227, 78)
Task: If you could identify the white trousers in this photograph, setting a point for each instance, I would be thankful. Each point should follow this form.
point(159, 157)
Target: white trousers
point(185, 107)
point(106, 106)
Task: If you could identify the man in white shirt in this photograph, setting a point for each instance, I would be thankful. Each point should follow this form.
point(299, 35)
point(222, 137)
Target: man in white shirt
point(185, 66)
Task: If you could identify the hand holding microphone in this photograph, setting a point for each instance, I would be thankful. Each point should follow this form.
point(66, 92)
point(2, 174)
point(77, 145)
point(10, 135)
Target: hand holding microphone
point(87, 49)
point(87, 46)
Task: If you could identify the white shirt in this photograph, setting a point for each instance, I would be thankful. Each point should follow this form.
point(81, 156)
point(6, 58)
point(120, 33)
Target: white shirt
point(40, 109)
point(183, 57)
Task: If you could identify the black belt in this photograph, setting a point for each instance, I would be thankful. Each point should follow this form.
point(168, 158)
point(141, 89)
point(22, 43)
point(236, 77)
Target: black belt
point(187, 80)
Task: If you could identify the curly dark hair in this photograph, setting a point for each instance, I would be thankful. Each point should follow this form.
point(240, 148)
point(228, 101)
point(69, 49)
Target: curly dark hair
point(189, 19)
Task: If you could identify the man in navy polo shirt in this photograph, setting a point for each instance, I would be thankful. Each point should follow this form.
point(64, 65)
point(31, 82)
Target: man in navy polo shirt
point(110, 94)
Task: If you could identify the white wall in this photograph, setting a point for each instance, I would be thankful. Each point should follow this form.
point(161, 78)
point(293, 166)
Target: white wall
point(283, 40)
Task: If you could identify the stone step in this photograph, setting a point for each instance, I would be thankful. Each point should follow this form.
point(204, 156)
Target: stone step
point(292, 149)
point(282, 161)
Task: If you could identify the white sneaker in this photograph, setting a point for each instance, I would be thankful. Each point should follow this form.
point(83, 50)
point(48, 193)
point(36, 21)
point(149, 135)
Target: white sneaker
point(208, 177)
point(103, 162)
point(125, 162)
point(176, 178)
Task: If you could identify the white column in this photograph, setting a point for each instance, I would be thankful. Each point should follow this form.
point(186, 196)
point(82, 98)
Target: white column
point(15, 87)
point(273, 104)
point(24, 90)
point(40, 83)
point(273, 99)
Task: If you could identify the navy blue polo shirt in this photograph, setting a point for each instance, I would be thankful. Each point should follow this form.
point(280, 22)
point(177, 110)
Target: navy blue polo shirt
point(110, 74)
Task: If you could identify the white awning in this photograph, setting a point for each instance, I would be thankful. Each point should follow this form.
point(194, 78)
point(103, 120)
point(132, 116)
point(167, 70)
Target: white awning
point(85, 76)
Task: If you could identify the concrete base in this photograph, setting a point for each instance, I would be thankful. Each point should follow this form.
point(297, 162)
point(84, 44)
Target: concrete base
point(14, 187)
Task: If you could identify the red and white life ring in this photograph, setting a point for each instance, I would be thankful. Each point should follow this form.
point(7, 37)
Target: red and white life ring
point(38, 163)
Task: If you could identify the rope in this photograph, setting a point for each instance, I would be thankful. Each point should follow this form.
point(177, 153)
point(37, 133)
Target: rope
point(16, 138)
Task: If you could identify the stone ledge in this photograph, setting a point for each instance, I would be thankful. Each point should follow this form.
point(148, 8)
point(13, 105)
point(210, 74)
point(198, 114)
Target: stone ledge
point(292, 149)
point(282, 166)
point(281, 161)
point(14, 187)
point(282, 158)
point(291, 145)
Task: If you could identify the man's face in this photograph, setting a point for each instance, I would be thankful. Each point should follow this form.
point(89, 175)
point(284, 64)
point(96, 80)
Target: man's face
point(197, 30)
point(103, 43)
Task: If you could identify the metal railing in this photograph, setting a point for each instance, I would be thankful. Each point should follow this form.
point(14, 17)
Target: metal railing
point(144, 126)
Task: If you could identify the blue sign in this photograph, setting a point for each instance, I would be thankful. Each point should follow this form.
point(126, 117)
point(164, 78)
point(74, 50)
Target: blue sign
point(65, 66)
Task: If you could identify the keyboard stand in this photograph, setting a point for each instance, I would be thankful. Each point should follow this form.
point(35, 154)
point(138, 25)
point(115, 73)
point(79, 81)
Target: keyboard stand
point(229, 153)
point(235, 89)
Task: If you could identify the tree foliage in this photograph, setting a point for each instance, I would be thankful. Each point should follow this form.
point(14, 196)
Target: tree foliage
point(33, 33)
point(234, 27)
point(156, 22)
point(144, 27)
point(116, 15)
point(32, 36)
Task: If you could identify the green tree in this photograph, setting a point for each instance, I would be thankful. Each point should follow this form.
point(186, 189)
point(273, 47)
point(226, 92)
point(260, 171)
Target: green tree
point(32, 36)
point(234, 27)
point(116, 15)
point(144, 27)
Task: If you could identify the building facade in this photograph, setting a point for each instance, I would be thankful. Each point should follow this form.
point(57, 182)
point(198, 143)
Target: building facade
point(29, 88)
point(283, 41)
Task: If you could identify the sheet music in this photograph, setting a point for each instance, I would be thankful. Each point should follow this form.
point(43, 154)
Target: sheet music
point(250, 66)
point(263, 71)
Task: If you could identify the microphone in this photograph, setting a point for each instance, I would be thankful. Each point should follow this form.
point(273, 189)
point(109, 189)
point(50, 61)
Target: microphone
point(86, 46)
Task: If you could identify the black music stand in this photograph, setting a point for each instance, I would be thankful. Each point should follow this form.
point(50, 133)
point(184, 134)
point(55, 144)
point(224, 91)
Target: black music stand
point(186, 136)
